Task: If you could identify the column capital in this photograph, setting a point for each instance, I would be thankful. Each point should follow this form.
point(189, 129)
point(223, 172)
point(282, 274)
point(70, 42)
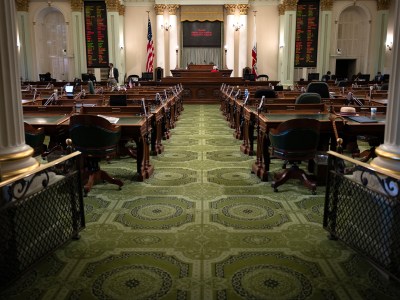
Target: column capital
point(76, 5)
point(281, 9)
point(326, 5)
point(22, 5)
point(112, 5)
point(159, 9)
point(121, 9)
point(241, 8)
point(383, 4)
point(172, 8)
point(290, 4)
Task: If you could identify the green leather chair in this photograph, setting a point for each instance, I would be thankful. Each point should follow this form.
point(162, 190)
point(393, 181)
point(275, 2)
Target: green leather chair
point(97, 139)
point(294, 141)
point(34, 137)
point(308, 98)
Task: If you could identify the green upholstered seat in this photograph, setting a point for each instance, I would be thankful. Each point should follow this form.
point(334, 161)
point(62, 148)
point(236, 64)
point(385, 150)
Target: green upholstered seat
point(97, 139)
point(293, 141)
point(308, 98)
point(34, 137)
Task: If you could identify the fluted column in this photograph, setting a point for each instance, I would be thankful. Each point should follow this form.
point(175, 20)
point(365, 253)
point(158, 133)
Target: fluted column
point(78, 38)
point(121, 46)
point(382, 16)
point(15, 155)
point(173, 35)
point(388, 154)
point(325, 36)
point(289, 24)
point(114, 37)
point(24, 40)
point(281, 11)
point(236, 37)
point(160, 49)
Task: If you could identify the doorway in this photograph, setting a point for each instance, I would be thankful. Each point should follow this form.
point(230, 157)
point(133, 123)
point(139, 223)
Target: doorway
point(345, 68)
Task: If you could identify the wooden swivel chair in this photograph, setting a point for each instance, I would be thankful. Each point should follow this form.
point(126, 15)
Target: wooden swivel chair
point(294, 141)
point(97, 139)
point(262, 77)
point(319, 87)
point(34, 137)
point(308, 98)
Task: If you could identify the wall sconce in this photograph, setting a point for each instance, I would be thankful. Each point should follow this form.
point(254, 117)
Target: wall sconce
point(281, 46)
point(166, 26)
point(177, 57)
point(226, 51)
point(389, 46)
point(237, 26)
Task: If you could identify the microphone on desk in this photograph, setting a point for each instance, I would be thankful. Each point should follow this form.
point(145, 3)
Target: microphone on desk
point(261, 103)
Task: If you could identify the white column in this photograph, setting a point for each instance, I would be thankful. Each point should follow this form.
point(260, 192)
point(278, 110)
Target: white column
point(324, 42)
point(173, 41)
point(389, 152)
point(160, 50)
point(281, 45)
point(289, 48)
point(25, 46)
point(78, 38)
point(114, 48)
point(230, 42)
point(380, 45)
point(15, 155)
point(243, 58)
point(121, 47)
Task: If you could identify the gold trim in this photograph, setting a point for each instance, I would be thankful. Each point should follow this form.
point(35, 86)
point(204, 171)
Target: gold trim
point(384, 169)
point(159, 9)
point(383, 4)
point(41, 167)
point(22, 5)
point(326, 5)
point(281, 9)
point(112, 5)
point(76, 5)
point(16, 156)
point(121, 10)
point(241, 8)
point(387, 154)
point(12, 174)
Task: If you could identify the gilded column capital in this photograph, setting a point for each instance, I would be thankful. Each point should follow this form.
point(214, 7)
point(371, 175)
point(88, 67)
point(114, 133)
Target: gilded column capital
point(112, 5)
point(172, 8)
point(290, 4)
point(281, 9)
point(241, 8)
point(22, 5)
point(76, 5)
point(326, 4)
point(383, 4)
point(121, 10)
point(159, 9)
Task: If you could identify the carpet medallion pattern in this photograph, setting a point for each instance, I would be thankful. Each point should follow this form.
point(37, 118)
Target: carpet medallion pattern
point(202, 227)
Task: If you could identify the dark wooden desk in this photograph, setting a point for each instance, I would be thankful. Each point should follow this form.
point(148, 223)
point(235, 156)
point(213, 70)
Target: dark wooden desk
point(134, 127)
point(200, 73)
point(265, 121)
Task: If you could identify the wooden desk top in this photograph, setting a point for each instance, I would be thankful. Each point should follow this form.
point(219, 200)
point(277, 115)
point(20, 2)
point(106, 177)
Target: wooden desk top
point(46, 119)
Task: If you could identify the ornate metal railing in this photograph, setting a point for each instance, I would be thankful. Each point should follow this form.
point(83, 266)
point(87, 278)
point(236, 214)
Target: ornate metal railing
point(39, 211)
point(362, 209)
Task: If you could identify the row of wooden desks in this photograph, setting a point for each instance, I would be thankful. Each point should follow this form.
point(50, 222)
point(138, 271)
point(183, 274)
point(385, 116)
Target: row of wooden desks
point(253, 122)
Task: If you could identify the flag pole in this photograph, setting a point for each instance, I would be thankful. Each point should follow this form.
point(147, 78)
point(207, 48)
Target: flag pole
point(254, 49)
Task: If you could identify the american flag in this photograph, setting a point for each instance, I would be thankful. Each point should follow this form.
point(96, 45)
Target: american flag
point(150, 48)
point(254, 51)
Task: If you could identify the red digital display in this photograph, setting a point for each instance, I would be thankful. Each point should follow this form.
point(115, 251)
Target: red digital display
point(96, 34)
point(306, 44)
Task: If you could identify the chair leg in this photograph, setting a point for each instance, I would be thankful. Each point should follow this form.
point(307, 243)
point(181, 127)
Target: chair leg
point(294, 172)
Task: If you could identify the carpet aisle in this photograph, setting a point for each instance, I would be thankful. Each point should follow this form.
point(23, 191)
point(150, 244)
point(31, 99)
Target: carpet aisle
point(202, 227)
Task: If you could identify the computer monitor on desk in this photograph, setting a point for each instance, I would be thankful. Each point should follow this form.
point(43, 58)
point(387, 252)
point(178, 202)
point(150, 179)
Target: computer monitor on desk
point(118, 100)
point(69, 90)
point(147, 76)
point(85, 77)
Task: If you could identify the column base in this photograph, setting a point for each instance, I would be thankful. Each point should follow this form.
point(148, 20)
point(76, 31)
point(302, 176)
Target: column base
point(386, 160)
point(17, 163)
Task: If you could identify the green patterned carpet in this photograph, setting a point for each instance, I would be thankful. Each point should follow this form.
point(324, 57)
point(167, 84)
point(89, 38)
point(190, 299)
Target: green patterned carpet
point(202, 227)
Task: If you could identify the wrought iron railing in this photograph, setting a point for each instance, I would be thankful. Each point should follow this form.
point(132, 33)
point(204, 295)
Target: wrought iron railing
point(362, 209)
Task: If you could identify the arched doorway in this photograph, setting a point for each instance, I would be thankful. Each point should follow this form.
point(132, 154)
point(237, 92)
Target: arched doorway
point(51, 44)
point(352, 41)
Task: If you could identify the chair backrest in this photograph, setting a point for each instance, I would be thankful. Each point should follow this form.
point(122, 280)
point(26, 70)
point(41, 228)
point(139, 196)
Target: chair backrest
point(118, 100)
point(262, 77)
point(94, 135)
point(34, 137)
point(295, 139)
point(268, 93)
point(318, 87)
point(308, 98)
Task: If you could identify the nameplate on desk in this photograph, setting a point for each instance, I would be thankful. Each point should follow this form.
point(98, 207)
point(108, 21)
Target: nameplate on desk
point(112, 120)
point(362, 119)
